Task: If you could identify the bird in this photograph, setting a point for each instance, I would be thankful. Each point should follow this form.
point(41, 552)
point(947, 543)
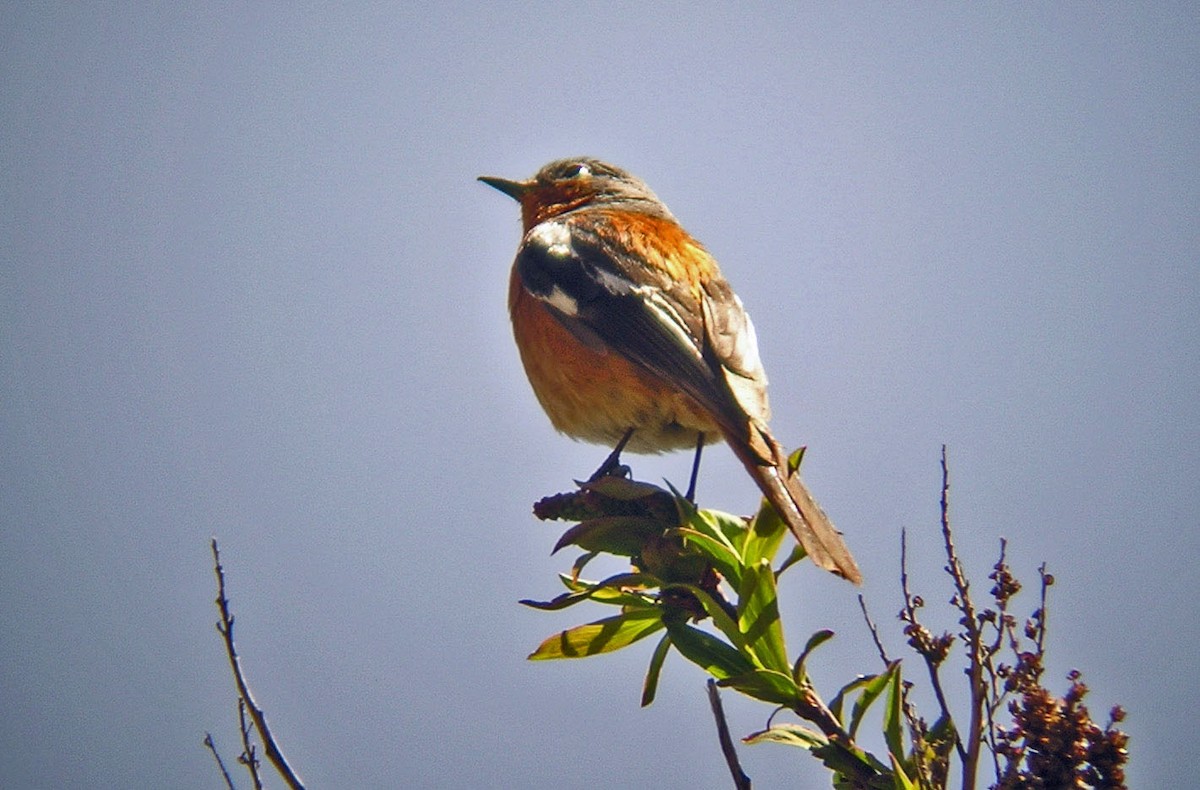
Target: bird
point(632, 338)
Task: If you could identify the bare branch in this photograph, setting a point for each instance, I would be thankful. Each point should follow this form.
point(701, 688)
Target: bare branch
point(212, 747)
point(249, 755)
point(225, 628)
point(740, 780)
point(1042, 613)
point(930, 649)
point(862, 604)
point(974, 641)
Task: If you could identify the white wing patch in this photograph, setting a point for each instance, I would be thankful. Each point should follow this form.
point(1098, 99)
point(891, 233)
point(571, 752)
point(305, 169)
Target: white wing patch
point(553, 237)
point(561, 301)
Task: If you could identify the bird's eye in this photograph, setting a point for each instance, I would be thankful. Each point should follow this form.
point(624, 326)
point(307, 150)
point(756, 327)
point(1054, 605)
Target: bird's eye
point(578, 170)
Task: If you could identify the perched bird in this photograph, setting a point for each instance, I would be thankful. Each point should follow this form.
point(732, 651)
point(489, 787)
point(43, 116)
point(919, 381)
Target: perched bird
point(631, 337)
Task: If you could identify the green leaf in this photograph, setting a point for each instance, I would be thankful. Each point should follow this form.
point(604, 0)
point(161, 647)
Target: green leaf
point(717, 552)
point(766, 685)
point(645, 581)
point(835, 706)
point(900, 779)
point(602, 636)
point(608, 591)
point(720, 617)
point(687, 508)
point(715, 657)
point(870, 692)
point(764, 535)
point(650, 686)
point(624, 598)
point(574, 583)
point(579, 564)
point(835, 756)
point(789, 735)
point(622, 488)
point(556, 603)
point(722, 527)
point(845, 762)
point(795, 459)
point(893, 714)
point(798, 553)
point(735, 529)
point(758, 618)
point(623, 536)
point(799, 672)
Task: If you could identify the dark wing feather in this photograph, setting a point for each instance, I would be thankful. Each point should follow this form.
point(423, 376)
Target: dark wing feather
point(734, 345)
point(703, 344)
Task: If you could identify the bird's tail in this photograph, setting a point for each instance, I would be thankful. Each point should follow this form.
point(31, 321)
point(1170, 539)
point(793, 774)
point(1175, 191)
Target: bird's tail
point(785, 490)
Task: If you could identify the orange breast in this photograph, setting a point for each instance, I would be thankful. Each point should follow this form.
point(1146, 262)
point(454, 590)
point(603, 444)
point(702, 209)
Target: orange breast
point(595, 395)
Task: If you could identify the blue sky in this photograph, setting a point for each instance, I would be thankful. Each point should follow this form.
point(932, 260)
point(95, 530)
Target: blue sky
point(249, 288)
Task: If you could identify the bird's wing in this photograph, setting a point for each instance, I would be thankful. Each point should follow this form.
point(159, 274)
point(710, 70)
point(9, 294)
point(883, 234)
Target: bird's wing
point(665, 308)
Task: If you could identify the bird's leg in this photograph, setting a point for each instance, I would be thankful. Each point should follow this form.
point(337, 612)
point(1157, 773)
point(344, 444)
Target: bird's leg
point(613, 462)
point(691, 492)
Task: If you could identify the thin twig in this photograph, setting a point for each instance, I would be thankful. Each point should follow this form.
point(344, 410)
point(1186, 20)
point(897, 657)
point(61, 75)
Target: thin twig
point(249, 756)
point(1047, 580)
point(862, 604)
point(909, 615)
point(1005, 626)
point(225, 628)
point(910, 714)
point(740, 780)
point(974, 639)
point(212, 747)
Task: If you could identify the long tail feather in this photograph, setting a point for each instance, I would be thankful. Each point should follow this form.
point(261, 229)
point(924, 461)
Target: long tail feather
point(799, 510)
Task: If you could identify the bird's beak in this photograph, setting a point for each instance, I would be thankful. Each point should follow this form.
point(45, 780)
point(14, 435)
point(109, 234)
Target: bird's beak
point(514, 189)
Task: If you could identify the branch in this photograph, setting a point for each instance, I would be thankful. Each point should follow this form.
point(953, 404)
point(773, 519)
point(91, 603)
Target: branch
point(225, 628)
point(212, 747)
point(930, 649)
point(249, 756)
point(1005, 588)
point(1042, 613)
point(862, 604)
point(915, 725)
point(812, 708)
point(740, 780)
point(962, 600)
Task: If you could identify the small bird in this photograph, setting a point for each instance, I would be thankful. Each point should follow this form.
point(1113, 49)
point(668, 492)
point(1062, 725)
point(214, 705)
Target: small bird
point(631, 337)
